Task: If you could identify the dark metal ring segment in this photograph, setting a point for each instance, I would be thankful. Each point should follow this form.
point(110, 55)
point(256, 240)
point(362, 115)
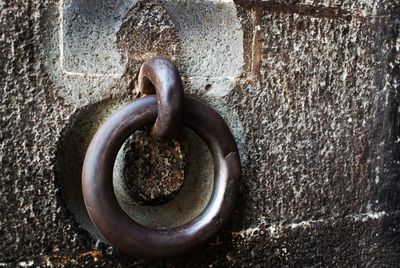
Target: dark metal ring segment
point(116, 226)
point(160, 74)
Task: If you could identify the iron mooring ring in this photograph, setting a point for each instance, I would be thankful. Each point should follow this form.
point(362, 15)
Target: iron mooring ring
point(100, 200)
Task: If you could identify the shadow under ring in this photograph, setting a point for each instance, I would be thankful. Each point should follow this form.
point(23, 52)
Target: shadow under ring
point(107, 215)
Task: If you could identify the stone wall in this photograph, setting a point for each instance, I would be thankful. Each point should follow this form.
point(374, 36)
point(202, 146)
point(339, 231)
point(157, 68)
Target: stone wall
point(309, 88)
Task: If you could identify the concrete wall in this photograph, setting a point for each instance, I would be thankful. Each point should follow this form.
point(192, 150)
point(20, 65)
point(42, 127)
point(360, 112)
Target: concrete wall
point(310, 89)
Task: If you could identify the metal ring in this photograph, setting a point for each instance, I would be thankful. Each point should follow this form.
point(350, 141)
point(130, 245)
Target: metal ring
point(109, 218)
point(160, 74)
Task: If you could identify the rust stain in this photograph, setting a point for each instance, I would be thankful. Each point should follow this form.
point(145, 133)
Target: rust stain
point(256, 9)
point(257, 45)
point(307, 10)
point(62, 260)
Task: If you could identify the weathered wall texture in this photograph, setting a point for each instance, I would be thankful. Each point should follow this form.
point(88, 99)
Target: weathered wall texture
point(309, 88)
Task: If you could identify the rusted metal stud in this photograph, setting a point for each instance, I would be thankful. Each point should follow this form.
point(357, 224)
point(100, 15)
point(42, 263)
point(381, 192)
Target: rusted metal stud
point(160, 76)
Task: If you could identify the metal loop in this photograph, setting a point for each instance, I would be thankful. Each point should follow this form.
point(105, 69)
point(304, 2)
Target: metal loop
point(159, 75)
point(109, 218)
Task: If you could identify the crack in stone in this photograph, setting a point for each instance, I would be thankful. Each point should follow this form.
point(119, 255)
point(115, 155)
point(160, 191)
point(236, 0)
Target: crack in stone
point(277, 228)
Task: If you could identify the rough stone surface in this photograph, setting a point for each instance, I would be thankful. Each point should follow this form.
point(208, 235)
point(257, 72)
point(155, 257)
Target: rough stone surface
point(145, 23)
point(154, 172)
point(309, 88)
point(313, 141)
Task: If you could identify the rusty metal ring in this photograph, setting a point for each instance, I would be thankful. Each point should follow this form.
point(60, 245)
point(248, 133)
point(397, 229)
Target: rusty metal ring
point(159, 75)
point(109, 218)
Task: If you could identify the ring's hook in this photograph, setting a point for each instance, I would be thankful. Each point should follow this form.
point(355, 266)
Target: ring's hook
point(159, 74)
